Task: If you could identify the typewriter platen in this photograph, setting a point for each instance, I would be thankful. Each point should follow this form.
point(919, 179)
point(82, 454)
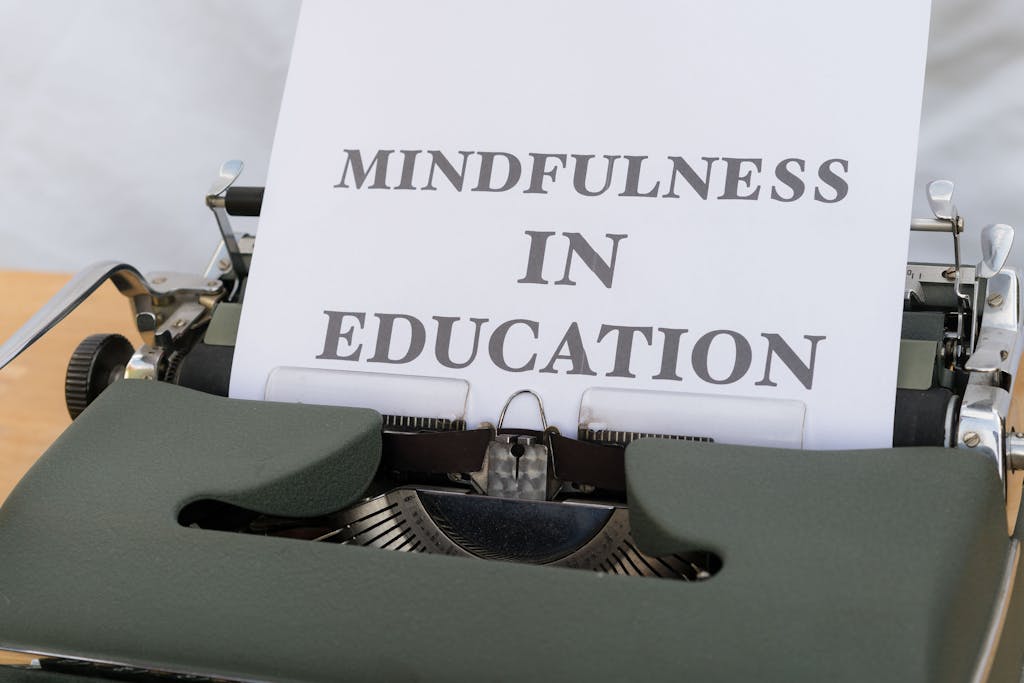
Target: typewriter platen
point(538, 497)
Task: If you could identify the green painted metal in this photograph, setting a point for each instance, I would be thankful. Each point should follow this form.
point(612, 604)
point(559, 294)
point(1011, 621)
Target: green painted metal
point(848, 566)
point(874, 565)
point(917, 364)
point(223, 327)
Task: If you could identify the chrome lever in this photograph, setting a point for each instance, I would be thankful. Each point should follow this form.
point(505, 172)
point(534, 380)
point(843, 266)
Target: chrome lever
point(126, 278)
point(229, 172)
point(940, 200)
point(996, 241)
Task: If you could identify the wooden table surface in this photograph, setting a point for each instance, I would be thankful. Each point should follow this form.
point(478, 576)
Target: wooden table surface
point(32, 412)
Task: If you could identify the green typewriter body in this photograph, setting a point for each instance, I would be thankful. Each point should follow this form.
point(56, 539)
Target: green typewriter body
point(174, 533)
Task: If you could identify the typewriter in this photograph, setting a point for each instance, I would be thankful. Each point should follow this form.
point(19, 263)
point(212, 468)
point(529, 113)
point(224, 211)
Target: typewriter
point(175, 534)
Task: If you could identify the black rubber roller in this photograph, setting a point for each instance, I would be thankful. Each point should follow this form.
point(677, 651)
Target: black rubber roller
point(97, 363)
point(243, 201)
point(920, 418)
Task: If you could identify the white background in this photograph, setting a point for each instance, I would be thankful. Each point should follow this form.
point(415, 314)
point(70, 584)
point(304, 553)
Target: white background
point(654, 79)
point(115, 115)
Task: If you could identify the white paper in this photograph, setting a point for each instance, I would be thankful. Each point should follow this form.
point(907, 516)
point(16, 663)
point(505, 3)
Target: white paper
point(832, 85)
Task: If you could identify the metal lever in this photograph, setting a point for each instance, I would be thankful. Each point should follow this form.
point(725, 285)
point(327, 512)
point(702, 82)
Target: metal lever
point(521, 392)
point(229, 172)
point(126, 278)
point(940, 199)
point(996, 241)
point(996, 334)
point(516, 466)
point(935, 225)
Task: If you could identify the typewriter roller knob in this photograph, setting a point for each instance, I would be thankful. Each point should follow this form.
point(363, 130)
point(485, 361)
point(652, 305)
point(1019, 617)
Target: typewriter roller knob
point(97, 362)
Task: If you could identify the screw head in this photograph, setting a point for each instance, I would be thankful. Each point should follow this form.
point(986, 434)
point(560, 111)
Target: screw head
point(224, 264)
point(179, 323)
point(995, 301)
point(949, 273)
point(972, 439)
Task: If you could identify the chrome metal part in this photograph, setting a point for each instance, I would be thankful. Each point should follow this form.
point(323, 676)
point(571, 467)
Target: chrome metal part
point(952, 411)
point(578, 535)
point(521, 392)
point(126, 278)
point(936, 273)
point(226, 177)
point(921, 274)
point(229, 172)
point(147, 297)
point(982, 418)
point(145, 363)
point(940, 199)
point(935, 225)
point(517, 467)
point(179, 322)
point(179, 303)
point(167, 282)
point(1000, 610)
point(963, 301)
point(220, 262)
point(999, 327)
point(996, 241)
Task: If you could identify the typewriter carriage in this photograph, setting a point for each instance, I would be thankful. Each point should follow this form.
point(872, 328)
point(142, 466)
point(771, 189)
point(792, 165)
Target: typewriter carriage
point(958, 357)
point(759, 582)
